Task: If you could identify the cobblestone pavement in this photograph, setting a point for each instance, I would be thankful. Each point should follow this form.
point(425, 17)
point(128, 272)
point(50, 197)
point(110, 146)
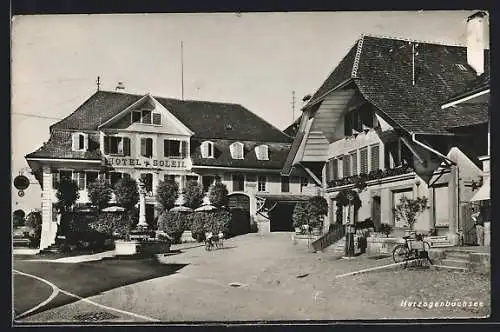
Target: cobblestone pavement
point(265, 277)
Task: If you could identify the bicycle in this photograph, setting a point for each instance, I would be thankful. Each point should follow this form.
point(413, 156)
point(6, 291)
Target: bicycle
point(412, 249)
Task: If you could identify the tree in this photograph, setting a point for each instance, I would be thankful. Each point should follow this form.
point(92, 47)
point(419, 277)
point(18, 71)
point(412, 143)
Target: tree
point(34, 222)
point(408, 210)
point(126, 193)
point(99, 192)
point(300, 216)
point(193, 195)
point(317, 207)
point(167, 193)
point(67, 194)
point(218, 195)
point(18, 218)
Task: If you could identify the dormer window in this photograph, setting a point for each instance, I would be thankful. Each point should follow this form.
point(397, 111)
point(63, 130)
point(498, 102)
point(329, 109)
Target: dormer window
point(146, 117)
point(80, 142)
point(262, 152)
point(207, 149)
point(236, 150)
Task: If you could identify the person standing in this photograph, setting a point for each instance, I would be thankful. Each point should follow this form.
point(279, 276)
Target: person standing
point(478, 222)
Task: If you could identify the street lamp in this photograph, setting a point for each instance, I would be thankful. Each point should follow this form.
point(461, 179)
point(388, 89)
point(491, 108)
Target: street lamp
point(349, 245)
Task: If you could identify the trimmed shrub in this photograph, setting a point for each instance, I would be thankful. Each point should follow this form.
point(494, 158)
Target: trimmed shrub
point(300, 216)
point(167, 193)
point(193, 194)
point(218, 195)
point(174, 224)
point(18, 218)
point(66, 193)
point(317, 208)
point(385, 229)
point(126, 192)
point(210, 221)
point(99, 192)
point(80, 234)
point(116, 225)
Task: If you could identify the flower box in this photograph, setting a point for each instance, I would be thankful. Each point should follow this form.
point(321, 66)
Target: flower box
point(123, 247)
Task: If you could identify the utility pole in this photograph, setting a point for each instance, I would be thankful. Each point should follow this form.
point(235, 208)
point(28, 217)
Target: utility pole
point(98, 83)
point(182, 70)
point(293, 106)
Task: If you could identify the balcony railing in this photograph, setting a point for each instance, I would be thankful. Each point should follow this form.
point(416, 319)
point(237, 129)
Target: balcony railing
point(373, 175)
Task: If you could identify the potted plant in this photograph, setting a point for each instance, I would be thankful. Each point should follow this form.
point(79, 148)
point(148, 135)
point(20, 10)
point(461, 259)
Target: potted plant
point(385, 229)
point(300, 217)
point(408, 210)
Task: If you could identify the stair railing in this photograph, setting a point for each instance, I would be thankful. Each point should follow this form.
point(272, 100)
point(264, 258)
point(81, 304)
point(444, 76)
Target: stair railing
point(335, 233)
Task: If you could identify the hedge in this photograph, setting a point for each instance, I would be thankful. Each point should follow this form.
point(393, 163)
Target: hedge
point(210, 221)
point(174, 223)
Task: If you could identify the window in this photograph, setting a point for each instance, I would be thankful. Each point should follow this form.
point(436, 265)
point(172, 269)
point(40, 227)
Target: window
point(79, 142)
point(156, 118)
point(363, 153)
point(375, 157)
point(68, 175)
point(114, 177)
point(285, 184)
point(55, 179)
point(340, 164)
point(207, 149)
point(116, 145)
point(354, 162)
point(91, 176)
point(146, 117)
point(352, 121)
point(236, 150)
point(347, 165)
point(136, 116)
point(262, 152)
point(148, 180)
point(261, 183)
point(207, 181)
point(392, 153)
point(331, 170)
point(396, 196)
point(238, 182)
point(169, 178)
point(191, 178)
point(171, 148)
point(147, 147)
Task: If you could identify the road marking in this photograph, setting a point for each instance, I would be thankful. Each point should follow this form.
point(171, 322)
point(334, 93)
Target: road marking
point(55, 291)
point(371, 269)
point(59, 290)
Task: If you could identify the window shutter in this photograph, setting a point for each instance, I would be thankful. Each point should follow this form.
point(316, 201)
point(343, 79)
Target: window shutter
point(75, 141)
point(335, 169)
point(55, 179)
point(143, 147)
point(120, 145)
point(204, 150)
point(156, 118)
point(126, 146)
point(346, 166)
point(364, 161)
point(106, 144)
point(86, 142)
point(210, 149)
point(354, 163)
point(149, 147)
point(183, 149)
point(375, 157)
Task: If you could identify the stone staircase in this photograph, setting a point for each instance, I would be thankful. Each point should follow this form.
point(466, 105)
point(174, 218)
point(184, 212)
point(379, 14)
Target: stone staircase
point(334, 234)
point(466, 259)
point(52, 249)
point(438, 241)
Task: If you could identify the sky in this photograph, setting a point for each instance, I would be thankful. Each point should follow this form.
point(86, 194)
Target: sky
point(254, 59)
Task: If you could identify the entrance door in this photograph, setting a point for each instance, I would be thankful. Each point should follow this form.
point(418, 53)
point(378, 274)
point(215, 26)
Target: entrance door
point(376, 211)
point(281, 218)
point(239, 205)
point(150, 213)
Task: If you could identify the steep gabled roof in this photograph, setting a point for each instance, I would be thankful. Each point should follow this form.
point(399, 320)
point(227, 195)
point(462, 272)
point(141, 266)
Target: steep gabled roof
point(382, 69)
point(207, 119)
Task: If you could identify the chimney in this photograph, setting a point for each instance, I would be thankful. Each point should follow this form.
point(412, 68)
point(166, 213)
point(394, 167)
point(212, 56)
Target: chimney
point(476, 40)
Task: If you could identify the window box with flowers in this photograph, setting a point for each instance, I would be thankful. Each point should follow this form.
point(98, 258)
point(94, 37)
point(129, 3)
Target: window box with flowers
point(360, 180)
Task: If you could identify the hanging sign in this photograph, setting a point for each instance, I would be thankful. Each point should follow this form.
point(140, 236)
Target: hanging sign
point(21, 182)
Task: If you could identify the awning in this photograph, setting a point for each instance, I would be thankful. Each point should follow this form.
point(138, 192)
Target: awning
point(483, 193)
point(283, 197)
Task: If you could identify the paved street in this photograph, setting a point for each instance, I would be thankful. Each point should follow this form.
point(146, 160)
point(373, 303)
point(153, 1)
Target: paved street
point(275, 281)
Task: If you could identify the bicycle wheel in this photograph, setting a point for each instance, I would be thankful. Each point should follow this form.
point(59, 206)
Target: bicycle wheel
point(400, 253)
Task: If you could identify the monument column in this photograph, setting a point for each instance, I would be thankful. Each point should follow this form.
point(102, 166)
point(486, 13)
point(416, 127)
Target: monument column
point(142, 204)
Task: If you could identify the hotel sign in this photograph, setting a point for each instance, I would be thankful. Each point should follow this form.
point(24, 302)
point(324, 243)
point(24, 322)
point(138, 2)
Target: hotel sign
point(153, 163)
